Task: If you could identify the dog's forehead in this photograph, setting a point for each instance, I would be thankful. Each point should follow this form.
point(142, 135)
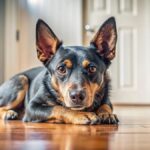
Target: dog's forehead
point(76, 48)
point(78, 51)
point(76, 55)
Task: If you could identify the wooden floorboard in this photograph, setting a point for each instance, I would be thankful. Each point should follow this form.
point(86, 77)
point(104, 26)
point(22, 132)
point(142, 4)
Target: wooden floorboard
point(132, 133)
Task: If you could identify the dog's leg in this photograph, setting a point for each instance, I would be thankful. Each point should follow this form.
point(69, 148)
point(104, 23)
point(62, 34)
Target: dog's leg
point(12, 95)
point(39, 109)
point(59, 114)
point(105, 114)
point(72, 116)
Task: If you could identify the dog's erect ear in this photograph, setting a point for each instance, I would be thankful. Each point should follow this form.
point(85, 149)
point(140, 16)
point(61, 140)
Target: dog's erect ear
point(46, 41)
point(105, 39)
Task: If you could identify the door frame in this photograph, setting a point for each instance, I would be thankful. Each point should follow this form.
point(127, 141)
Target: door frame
point(11, 53)
point(2, 27)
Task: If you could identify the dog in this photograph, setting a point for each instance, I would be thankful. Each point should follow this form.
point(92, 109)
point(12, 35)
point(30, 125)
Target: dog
point(73, 85)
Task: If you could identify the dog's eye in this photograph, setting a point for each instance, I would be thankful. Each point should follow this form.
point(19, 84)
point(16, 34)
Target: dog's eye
point(62, 69)
point(92, 69)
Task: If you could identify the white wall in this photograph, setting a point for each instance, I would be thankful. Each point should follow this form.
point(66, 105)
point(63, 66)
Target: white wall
point(2, 4)
point(63, 16)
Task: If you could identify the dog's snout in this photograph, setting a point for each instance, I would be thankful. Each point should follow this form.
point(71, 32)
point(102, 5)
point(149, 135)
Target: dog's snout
point(77, 96)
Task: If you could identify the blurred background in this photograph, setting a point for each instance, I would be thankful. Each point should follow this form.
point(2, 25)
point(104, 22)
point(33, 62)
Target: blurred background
point(75, 22)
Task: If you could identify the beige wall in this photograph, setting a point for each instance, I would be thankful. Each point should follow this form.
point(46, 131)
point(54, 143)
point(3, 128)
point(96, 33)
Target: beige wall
point(63, 16)
point(2, 4)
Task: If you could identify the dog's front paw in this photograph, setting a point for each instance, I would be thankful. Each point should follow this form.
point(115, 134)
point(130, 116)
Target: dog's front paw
point(107, 118)
point(84, 118)
point(11, 115)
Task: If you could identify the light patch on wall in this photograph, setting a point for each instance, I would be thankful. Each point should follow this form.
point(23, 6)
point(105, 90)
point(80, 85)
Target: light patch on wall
point(32, 2)
point(34, 6)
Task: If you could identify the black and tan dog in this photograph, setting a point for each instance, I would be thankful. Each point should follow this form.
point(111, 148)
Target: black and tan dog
point(73, 85)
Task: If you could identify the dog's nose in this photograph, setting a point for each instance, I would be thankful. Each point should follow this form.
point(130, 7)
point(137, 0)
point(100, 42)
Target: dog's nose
point(77, 96)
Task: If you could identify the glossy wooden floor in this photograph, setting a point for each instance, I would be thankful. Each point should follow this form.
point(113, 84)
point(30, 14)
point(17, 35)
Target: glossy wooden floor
point(132, 133)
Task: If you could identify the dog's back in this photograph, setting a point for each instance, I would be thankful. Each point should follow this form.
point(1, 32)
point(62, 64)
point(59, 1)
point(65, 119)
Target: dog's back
point(10, 88)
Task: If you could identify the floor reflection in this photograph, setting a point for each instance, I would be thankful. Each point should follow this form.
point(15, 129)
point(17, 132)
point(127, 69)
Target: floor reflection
point(42, 136)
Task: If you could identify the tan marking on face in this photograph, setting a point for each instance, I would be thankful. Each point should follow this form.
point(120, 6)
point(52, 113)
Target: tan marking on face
point(85, 63)
point(64, 91)
point(68, 63)
point(92, 88)
point(54, 83)
point(19, 99)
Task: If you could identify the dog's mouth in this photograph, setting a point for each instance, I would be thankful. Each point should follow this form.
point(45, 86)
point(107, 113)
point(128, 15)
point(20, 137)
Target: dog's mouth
point(77, 107)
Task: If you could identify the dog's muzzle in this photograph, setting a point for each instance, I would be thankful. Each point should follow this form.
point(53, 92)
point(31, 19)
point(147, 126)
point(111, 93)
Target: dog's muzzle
point(77, 96)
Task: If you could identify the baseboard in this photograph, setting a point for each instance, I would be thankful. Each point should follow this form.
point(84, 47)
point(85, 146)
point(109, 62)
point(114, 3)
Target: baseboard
point(132, 104)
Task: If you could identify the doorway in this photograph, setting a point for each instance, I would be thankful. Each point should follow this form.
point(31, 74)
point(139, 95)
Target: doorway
point(130, 69)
